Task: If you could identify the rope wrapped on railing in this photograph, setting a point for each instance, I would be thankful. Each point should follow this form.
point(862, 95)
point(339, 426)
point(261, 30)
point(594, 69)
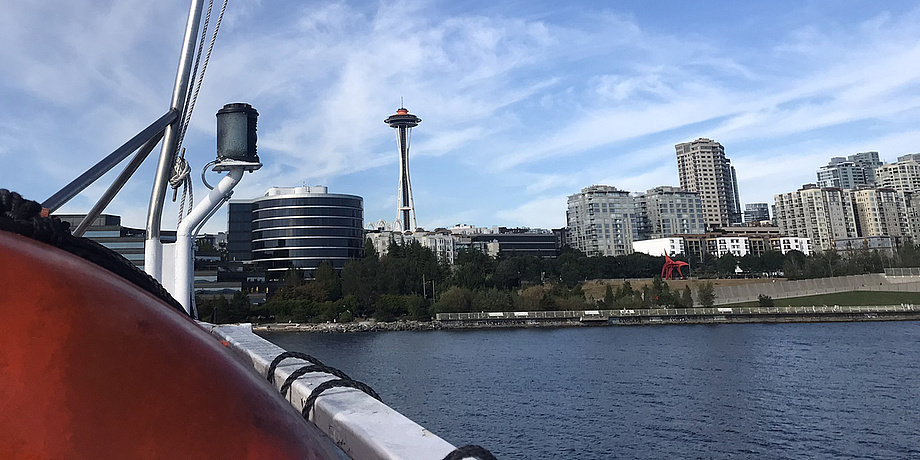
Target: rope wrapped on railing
point(307, 369)
point(270, 374)
point(337, 383)
point(343, 380)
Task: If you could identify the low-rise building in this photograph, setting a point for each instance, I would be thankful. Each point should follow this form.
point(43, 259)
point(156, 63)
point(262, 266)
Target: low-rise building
point(442, 244)
point(790, 243)
point(108, 231)
point(657, 247)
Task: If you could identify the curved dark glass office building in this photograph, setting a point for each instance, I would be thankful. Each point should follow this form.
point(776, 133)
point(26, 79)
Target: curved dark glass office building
point(296, 227)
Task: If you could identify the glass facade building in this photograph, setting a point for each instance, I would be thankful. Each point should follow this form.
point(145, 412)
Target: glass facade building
point(296, 227)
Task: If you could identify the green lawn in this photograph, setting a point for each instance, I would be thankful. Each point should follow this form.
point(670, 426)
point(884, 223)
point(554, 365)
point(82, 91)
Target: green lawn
point(846, 298)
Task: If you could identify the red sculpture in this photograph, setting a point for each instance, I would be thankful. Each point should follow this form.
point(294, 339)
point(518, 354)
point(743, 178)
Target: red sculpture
point(667, 270)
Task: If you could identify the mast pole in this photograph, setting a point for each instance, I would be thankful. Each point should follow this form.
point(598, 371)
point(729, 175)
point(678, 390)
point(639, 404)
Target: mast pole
point(153, 249)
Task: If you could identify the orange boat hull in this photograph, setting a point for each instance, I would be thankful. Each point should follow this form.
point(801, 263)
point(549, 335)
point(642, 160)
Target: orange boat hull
point(93, 367)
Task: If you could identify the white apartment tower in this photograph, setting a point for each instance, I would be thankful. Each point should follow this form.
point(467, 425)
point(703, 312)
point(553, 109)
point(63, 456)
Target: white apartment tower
point(903, 175)
point(822, 215)
point(703, 168)
point(602, 221)
point(665, 211)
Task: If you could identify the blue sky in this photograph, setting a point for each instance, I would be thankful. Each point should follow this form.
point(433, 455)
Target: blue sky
point(523, 102)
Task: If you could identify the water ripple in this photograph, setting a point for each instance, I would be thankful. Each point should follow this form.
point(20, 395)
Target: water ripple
point(777, 391)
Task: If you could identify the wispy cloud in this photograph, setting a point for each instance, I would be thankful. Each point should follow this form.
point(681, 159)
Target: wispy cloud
point(520, 106)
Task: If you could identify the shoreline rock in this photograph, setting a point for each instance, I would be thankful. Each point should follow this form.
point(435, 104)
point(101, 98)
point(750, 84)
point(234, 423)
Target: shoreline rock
point(358, 326)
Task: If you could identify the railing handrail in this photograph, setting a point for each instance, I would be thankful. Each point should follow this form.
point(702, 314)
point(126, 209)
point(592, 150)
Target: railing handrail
point(695, 311)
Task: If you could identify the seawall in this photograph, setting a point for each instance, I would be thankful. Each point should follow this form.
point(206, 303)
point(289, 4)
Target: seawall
point(581, 318)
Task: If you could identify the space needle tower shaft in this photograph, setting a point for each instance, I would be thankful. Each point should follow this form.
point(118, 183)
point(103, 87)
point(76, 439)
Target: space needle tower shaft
point(403, 122)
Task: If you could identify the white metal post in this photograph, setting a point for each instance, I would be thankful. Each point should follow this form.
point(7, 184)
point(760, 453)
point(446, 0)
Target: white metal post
point(188, 230)
point(153, 249)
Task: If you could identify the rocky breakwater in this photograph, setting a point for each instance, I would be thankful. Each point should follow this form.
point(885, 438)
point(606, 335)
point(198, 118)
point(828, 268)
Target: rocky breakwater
point(357, 326)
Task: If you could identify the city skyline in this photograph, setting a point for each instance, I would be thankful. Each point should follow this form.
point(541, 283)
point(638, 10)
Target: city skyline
point(524, 104)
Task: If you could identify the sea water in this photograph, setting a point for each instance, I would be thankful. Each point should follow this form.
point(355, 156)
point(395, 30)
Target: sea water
point(772, 391)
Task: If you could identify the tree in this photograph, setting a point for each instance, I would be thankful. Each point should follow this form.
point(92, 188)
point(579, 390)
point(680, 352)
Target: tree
point(326, 283)
point(750, 263)
point(764, 300)
point(507, 273)
point(212, 309)
point(473, 269)
point(625, 290)
point(360, 280)
point(292, 277)
point(794, 266)
point(726, 264)
point(609, 298)
point(369, 250)
point(661, 292)
point(772, 261)
point(571, 273)
point(647, 296)
point(492, 300)
point(391, 307)
point(456, 299)
point(536, 298)
point(909, 255)
point(706, 294)
point(238, 310)
point(687, 298)
point(707, 264)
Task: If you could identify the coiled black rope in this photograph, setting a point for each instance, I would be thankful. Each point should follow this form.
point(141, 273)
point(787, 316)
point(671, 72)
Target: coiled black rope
point(24, 217)
point(307, 369)
point(470, 451)
point(337, 383)
point(315, 365)
point(288, 354)
point(344, 381)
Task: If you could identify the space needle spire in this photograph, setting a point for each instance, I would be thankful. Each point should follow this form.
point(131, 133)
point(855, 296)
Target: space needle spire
point(403, 122)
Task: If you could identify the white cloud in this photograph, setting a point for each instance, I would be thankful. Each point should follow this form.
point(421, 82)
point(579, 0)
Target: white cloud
point(547, 101)
point(541, 212)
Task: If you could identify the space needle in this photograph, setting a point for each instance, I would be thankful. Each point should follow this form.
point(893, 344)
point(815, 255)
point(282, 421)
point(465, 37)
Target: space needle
point(403, 122)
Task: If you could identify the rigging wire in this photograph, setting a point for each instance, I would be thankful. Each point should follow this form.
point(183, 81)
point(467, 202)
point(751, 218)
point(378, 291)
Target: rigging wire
point(181, 169)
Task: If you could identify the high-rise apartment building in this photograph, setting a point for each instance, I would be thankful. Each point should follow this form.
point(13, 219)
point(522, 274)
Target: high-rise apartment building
point(881, 212)
point(296, 227)
point(854, 171)
point(703, 168)
point(756, 212)
point(602, 221)
point(820, 214)
point(665, 211)
point(903, 175)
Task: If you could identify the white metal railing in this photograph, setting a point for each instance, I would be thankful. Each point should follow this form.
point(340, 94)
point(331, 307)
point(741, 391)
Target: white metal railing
point(363, 427)
point(577, 314)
